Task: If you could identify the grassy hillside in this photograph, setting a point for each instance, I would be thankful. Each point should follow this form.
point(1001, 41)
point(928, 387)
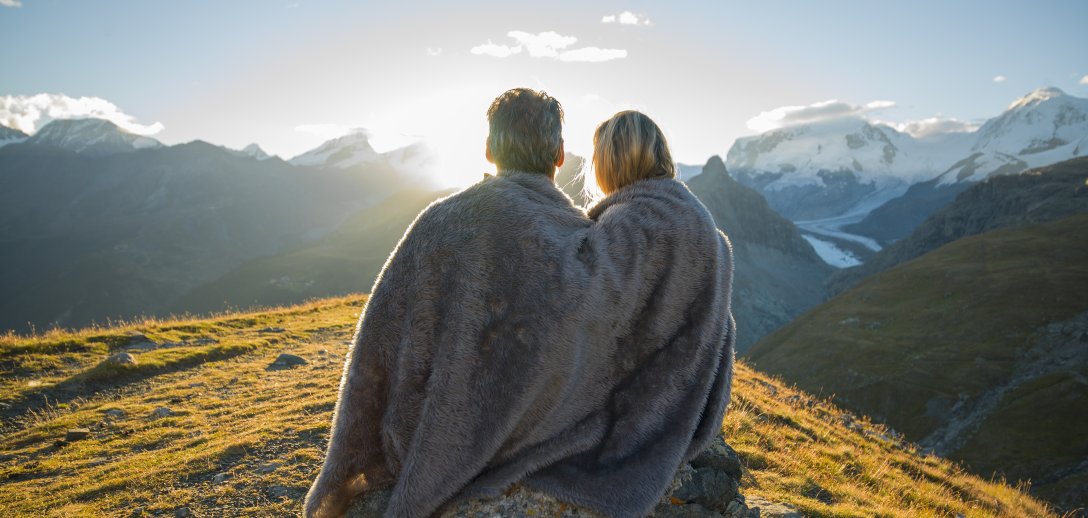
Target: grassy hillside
point(976, 349)
point(205, 421)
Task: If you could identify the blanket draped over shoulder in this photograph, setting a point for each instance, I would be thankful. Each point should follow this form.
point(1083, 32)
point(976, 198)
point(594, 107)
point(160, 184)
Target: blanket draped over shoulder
point(509, 338)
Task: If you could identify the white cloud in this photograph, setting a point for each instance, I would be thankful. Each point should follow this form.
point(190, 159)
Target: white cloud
point(789, 115)
point(1084, 80)
point(933, 126)
point(544, 45)
point(548, 44)
point(626, 18)
point(592, 54)
point(434, 51)
point(11, 3)
point(28, 113)
point(495, 50)
point(1000, 79)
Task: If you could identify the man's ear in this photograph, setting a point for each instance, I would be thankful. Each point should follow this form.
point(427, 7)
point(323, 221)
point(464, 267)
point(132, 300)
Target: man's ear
point(561, 156)
point(487, 151)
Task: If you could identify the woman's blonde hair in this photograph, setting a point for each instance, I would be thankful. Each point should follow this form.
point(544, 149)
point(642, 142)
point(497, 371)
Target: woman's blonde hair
point(627, 148)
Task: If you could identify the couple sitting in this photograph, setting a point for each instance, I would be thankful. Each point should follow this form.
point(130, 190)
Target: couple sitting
point(513, 338)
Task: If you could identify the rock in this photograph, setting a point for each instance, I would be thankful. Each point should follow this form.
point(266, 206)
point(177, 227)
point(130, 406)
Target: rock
point(720, 456)
point(772, 510)
point(287, 361)
point(271, 330)
point(322, 352)
point(139, 341)
point(219, 478)
point(76, 434)
point(183, 512)
point(268, 467)
point(278, 491)
point(120, 359)
point(706, 491)
point(162, 412)
point(60, 443)
point(205, 340)
point(709, 488)
point(115, 413)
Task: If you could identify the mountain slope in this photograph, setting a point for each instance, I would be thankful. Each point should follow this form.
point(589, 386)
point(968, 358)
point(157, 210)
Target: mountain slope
point(975, 349)
point(348, 260)
point(206, 422)
point(84, 238)
point(11, 136)
point(777, 274)
point(1036, 196)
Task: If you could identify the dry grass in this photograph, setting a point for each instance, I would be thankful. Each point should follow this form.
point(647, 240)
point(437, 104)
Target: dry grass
point(264, 430)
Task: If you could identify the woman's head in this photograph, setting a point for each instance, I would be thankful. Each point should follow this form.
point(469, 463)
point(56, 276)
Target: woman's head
point(627, 148)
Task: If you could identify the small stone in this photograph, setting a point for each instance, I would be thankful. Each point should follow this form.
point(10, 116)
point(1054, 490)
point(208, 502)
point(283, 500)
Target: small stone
point(219, 478)
point(767, 509)
point(60, 443)
point(77, 434)
point(115, 413)
point(287, 361)
point(277, 491)
point(322, 352)
point(162, 412)
point(183, 512)
point(121, 359)
point(272, 330)
point(268, 467)
point(736, 509)
point(138, 511)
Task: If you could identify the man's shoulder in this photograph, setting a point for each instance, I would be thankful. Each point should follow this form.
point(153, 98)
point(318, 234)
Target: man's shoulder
point(506, 193)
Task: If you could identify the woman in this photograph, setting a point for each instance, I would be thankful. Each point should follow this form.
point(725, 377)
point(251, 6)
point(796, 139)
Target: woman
point(661, 279)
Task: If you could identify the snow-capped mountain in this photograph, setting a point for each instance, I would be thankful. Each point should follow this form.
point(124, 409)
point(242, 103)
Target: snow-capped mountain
point(411, 162)
point(828, 168)
point(849, 166)
point(347, 151)
point(252, 151)
point(11, 136)
point(96, 137)
point(1041, 128)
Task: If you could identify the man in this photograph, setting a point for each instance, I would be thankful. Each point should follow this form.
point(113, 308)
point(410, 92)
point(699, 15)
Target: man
point(464, 279)
point(509, 338)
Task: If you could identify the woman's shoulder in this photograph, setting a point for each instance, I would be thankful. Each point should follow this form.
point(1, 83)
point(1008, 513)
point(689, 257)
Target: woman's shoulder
point(659, 199)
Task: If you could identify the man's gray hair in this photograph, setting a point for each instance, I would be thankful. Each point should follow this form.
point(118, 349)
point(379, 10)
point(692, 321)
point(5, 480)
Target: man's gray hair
point(526, 131)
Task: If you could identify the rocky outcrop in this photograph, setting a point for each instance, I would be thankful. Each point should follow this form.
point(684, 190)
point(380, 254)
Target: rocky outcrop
point(705, 488)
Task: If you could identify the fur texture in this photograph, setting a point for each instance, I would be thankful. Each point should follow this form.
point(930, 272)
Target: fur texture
point(511, 338)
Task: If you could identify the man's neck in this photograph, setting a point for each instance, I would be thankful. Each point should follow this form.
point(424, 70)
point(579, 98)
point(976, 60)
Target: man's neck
point(505, 172)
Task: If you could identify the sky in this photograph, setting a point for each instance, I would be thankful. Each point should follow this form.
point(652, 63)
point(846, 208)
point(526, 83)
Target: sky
point(290, 74)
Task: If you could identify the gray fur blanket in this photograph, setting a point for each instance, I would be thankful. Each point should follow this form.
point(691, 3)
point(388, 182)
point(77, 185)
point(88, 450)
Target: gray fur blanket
point(509, 338)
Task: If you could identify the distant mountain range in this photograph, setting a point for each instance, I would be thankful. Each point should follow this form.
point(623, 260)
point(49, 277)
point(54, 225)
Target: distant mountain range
point(98, 223)
point(1035, 196)
point(970, 337)
point(851, 166)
